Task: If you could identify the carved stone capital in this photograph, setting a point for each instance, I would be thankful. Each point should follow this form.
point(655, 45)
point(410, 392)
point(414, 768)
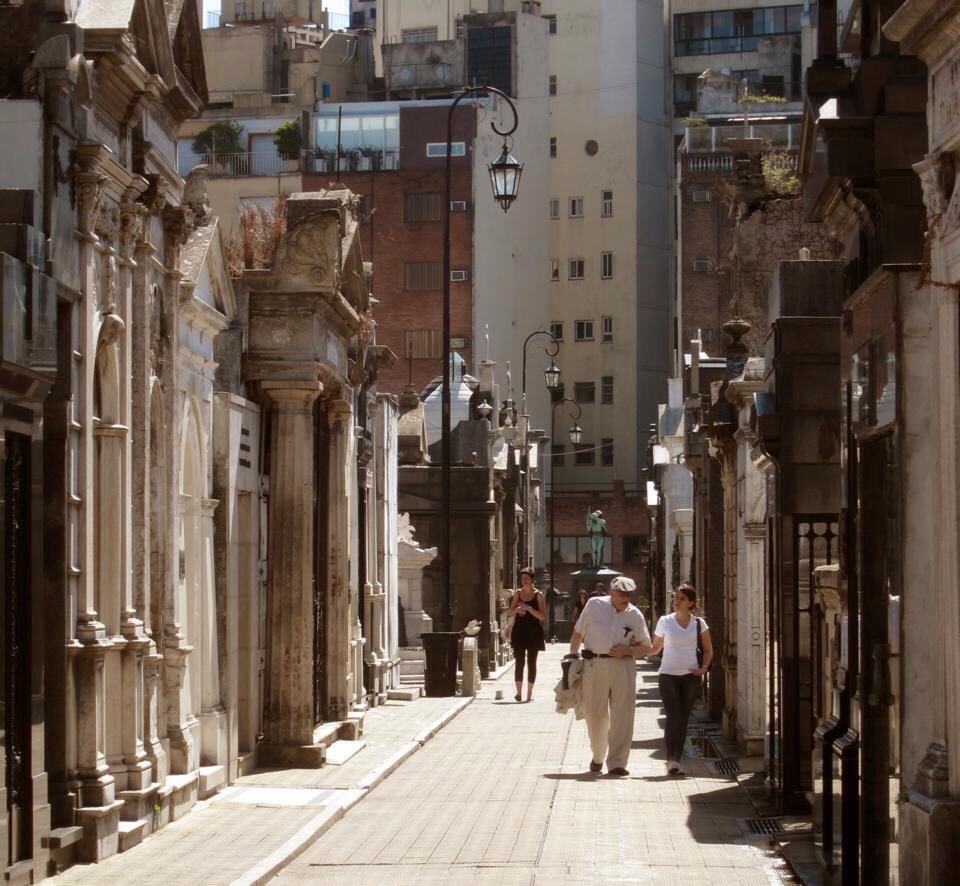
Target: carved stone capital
point(107, 224)
point(89, 188)
point(131, 226)
point(937, 178)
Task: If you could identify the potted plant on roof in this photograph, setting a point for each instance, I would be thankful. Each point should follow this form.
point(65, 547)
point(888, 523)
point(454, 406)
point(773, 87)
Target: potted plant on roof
point(287, 141)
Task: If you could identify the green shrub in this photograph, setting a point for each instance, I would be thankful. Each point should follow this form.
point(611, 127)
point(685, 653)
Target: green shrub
point(222, 137)
point(287, 141)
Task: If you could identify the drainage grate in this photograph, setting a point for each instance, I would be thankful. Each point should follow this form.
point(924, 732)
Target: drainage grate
point(769, 827)
point(727, 767)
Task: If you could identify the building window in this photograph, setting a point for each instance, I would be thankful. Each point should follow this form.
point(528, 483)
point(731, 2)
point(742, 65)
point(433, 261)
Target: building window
point(439, 149)
point(575, 269)
point(421, 275)
point(556, 330)
point(606, 451)
point(606, 329)
point(551, 24)
point(631, 549)
point(707, 33)
point(418, 35)
point(554, 269)
point(489, 57)
point(552, 85)
point(684, 94)
point(421, 207)
point(606, 389)
point(422, 344)
point(576, 207)
point(583, 330)
point(585, 454)
point(559, 455)
point(268, 10)
point(606, 204)
point(554, 209)
point(606, 265)
point(553, 147)
point(584, 391)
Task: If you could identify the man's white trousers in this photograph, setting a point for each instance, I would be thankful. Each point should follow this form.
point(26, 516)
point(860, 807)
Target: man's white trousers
point(609, 704)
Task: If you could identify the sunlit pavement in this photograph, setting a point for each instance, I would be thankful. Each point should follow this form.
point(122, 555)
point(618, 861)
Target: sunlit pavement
point(502, 796)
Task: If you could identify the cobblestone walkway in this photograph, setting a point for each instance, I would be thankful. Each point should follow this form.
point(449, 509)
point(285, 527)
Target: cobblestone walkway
point(501, 796)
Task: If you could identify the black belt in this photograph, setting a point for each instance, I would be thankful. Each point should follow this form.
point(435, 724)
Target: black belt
point(588, 654)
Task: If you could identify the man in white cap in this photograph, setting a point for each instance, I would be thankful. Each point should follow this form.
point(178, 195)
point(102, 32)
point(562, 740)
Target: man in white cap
point(613, 633)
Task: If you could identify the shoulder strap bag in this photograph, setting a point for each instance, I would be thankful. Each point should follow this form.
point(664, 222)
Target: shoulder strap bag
point(699, 645)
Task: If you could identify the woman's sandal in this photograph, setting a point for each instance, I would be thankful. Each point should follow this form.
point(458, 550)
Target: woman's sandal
point(517, 697)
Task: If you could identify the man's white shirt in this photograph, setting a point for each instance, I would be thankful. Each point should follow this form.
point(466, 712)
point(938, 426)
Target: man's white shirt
point(602, 627)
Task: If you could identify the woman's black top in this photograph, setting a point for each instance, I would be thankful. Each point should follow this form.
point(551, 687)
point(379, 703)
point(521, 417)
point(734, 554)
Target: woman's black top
point(527, 630)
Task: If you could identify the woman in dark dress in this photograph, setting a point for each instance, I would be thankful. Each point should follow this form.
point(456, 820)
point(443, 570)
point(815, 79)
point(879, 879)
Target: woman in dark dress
point(527, 634)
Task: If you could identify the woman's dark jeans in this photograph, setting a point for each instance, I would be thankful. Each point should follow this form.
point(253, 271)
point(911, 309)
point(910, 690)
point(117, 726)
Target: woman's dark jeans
point(531, 656)
point(678, 694)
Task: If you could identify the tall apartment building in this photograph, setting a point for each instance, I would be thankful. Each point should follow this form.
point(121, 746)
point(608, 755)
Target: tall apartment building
point(720, 50)
point(606, 264)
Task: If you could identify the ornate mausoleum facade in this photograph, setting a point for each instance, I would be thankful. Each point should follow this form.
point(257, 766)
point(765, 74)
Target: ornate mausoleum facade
point(199, 569)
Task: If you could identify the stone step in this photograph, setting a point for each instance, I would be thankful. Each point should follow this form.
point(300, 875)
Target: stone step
point(183, 797)
point(341, 751)
point(412, 668)
point(131, 833)
point(61, 838)
point(212, 778)
point(405, 693)
point(411, 653)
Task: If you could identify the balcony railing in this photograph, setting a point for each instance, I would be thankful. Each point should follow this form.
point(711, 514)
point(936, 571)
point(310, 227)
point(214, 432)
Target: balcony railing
point(28, 305)
point(710, 139)
point(241, 165)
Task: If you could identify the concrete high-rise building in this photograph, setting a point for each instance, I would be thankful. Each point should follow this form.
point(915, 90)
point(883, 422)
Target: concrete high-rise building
point(606, 270)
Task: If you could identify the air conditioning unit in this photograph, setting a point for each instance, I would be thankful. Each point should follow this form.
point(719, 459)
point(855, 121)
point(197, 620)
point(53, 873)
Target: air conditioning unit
point(701, 196)
point(702, 265)
point(458, 205)
point(458, 341)
point(458, 276)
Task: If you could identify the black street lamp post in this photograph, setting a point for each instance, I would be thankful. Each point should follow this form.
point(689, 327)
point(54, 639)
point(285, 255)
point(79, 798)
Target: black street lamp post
point(552, 377)
point(576, 433)
point(505, 174)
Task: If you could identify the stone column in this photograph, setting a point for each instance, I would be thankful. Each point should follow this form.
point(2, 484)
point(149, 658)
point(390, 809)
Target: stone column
point(213, 716)
point(338, 616)
point(728, 641)
point(751, 667)
point(289, 721)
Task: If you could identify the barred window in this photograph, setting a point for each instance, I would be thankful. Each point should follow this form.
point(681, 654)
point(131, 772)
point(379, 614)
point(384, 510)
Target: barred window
point(421, 207)
point(606, 451)
point(559, 455)
point(585, 454)
point(421, 275)
point(422, 344)
point(606, 389)
point(584, 391)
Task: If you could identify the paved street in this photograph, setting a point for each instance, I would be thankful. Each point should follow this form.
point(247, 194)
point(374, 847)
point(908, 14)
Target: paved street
point(501, 796)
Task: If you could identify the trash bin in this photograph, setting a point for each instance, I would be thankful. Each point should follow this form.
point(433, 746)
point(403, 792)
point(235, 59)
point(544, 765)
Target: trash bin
point(440, 650)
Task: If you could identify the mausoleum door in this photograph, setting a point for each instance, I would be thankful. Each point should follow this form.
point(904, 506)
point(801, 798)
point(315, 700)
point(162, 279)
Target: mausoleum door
point(15, 612)
point(877, 563)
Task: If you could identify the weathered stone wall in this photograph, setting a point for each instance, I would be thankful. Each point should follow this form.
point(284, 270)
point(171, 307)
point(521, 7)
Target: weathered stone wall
point(771, 233)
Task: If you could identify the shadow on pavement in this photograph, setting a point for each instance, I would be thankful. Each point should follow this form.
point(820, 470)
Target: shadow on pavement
point(572, 776)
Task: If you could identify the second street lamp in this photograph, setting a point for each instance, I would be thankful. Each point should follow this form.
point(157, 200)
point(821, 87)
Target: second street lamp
point(576, 433)
point(551, 376)
point(505, 174)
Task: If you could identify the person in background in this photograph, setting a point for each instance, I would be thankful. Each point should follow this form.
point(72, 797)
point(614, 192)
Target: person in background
point(527, 634)
point(613, 632)
point(680, 671)
point(582, 597)
point(599, 590)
